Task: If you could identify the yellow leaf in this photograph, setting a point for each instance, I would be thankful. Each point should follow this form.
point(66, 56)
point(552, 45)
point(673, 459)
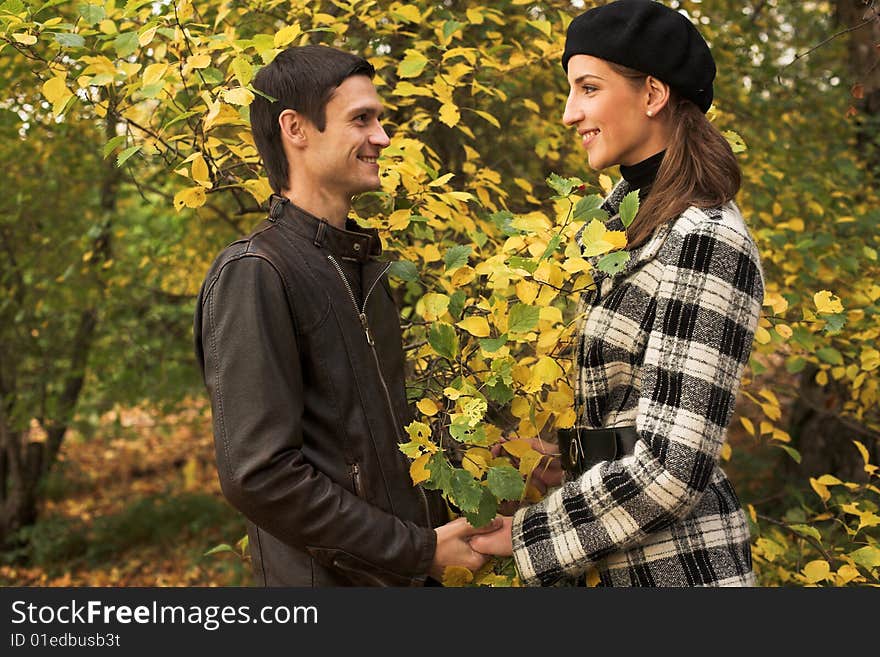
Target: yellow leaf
point(606, 183)
point(752, 513)
point(147, 35)
point(747, 423)
point(55, 89)
point(517, 447)
point(822, 378)
point(198, 61)
point(428, 407)
point(442, 180)
point(781, 436)
point(409, 13)
point(726, 451)
point(25, 38)
point(829, 480)
point(827, 302)
point(488, 117)
point(846, 574)
point(238, 96)
point(784, 331)
point(821, 490)
point(430, 253)
point(762, 335)
point(258, 188)
point(200, 171)
point(193, 197)
point(545, 371)
point(527, 291)
point(463, 276)
point(817, 571)
point(475, 325)
point(457, 576)
point(433, 306)
point(776, 301)
point(153, 73)
point(870, 359)
point(449, 114)
point(863, 451)
point(287, 34)
point(417, 471)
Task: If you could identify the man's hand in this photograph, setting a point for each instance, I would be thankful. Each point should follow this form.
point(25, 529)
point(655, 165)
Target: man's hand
point(499, 542)
point(453, 548)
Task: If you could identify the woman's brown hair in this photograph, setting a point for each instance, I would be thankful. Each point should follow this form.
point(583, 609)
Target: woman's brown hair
point(699, 167)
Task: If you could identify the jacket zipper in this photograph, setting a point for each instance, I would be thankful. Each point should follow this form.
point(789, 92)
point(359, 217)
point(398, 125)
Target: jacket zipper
point(362, 316)
point(356, 479)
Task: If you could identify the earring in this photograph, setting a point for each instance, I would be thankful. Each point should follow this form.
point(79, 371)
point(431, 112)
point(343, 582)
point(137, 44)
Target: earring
point(650, 113)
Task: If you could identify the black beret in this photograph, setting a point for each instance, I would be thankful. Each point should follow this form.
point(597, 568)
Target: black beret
point(648, 37)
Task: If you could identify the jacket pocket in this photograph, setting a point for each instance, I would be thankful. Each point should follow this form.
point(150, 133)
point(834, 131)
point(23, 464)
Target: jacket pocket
point(355, 471)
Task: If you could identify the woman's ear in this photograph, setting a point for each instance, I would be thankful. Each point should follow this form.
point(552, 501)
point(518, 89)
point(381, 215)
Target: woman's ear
point(656, 95)
point(290, 123)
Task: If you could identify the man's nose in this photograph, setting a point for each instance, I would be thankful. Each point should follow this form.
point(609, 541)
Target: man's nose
point(380, 137)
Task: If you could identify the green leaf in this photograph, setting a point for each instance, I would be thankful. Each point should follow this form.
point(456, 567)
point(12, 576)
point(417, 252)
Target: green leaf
point(126, 43)
point(795, 364)
point(486, 510)
point(518, 262)
point(552, 245)
point(441, 474)
point(493, 344)
point(111, 145)
point(127, 153)
point(806, 530)
point(412, 65)
point(91, 13)
point(589, 208)
point(223, 547)
point(457, 256)
point(867, 557)
point(523, 318)
point(505, 482)
point(613, 262)
point(834, 323)
point(466, 491)
point(499, 392)
point(456, 303)
point(560, 185)
point(70, 40)
point(629, 207)
point(451, 27)
point(792, 452)
point(243, 70)
point(464, 433)
point(404, 270)
point(502, 220)
point(830, 355)
point(443, 340)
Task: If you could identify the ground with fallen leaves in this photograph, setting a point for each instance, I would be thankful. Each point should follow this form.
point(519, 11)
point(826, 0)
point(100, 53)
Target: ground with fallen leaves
point(136, 504)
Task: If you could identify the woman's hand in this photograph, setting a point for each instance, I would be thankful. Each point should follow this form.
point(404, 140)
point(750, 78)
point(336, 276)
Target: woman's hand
point(453, 548)
point(498, 542)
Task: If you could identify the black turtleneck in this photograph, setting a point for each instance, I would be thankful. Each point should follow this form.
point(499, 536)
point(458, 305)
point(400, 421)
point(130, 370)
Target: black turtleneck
point(641, 176)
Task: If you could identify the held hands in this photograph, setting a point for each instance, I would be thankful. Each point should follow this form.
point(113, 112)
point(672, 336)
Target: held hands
point(453, 548)
point(498, 542)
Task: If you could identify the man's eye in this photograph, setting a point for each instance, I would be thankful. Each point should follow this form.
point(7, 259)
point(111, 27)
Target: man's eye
point(361, 117)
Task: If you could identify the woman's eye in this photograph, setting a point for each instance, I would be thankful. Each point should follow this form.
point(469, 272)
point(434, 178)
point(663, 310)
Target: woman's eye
point(589, 89)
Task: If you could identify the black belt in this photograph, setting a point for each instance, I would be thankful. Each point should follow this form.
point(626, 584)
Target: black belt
point(581, 449)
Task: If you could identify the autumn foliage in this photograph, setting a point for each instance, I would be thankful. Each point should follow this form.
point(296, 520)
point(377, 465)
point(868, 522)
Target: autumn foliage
point(482, 193)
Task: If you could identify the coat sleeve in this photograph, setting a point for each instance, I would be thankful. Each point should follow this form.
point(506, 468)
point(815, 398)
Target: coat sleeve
point(708, 305)
point(252, 372)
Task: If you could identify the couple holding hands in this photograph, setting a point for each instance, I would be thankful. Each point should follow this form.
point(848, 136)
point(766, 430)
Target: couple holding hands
point(299, 341)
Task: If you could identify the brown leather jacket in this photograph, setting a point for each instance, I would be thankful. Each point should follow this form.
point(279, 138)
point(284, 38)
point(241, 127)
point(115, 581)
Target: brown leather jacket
point(308, 401)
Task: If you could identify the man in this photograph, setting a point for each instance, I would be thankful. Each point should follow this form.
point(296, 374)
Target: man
point(300, 347)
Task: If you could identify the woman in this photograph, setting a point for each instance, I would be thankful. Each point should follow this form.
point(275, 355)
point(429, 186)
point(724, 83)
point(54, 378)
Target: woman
point(663, 342)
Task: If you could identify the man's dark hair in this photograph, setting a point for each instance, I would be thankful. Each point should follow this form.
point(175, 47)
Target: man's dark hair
point(302, 78)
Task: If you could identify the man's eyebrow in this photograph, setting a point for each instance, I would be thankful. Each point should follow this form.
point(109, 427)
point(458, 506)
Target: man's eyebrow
point(372, 111)
point(583, 78)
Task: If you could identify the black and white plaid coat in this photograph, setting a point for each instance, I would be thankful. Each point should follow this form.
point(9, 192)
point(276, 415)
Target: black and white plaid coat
point(662, 347)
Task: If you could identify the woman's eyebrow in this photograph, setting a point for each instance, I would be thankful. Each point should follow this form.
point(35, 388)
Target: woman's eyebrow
point(583, 77)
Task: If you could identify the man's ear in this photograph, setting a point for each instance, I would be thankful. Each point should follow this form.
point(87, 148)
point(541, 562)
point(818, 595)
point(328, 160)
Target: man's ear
point(656, 95)
point(291, 124)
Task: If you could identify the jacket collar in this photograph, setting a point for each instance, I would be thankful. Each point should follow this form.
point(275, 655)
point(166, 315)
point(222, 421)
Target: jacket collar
point(352, 243)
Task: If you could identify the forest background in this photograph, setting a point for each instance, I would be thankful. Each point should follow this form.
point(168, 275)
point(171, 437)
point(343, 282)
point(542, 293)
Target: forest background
point(128, 165)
